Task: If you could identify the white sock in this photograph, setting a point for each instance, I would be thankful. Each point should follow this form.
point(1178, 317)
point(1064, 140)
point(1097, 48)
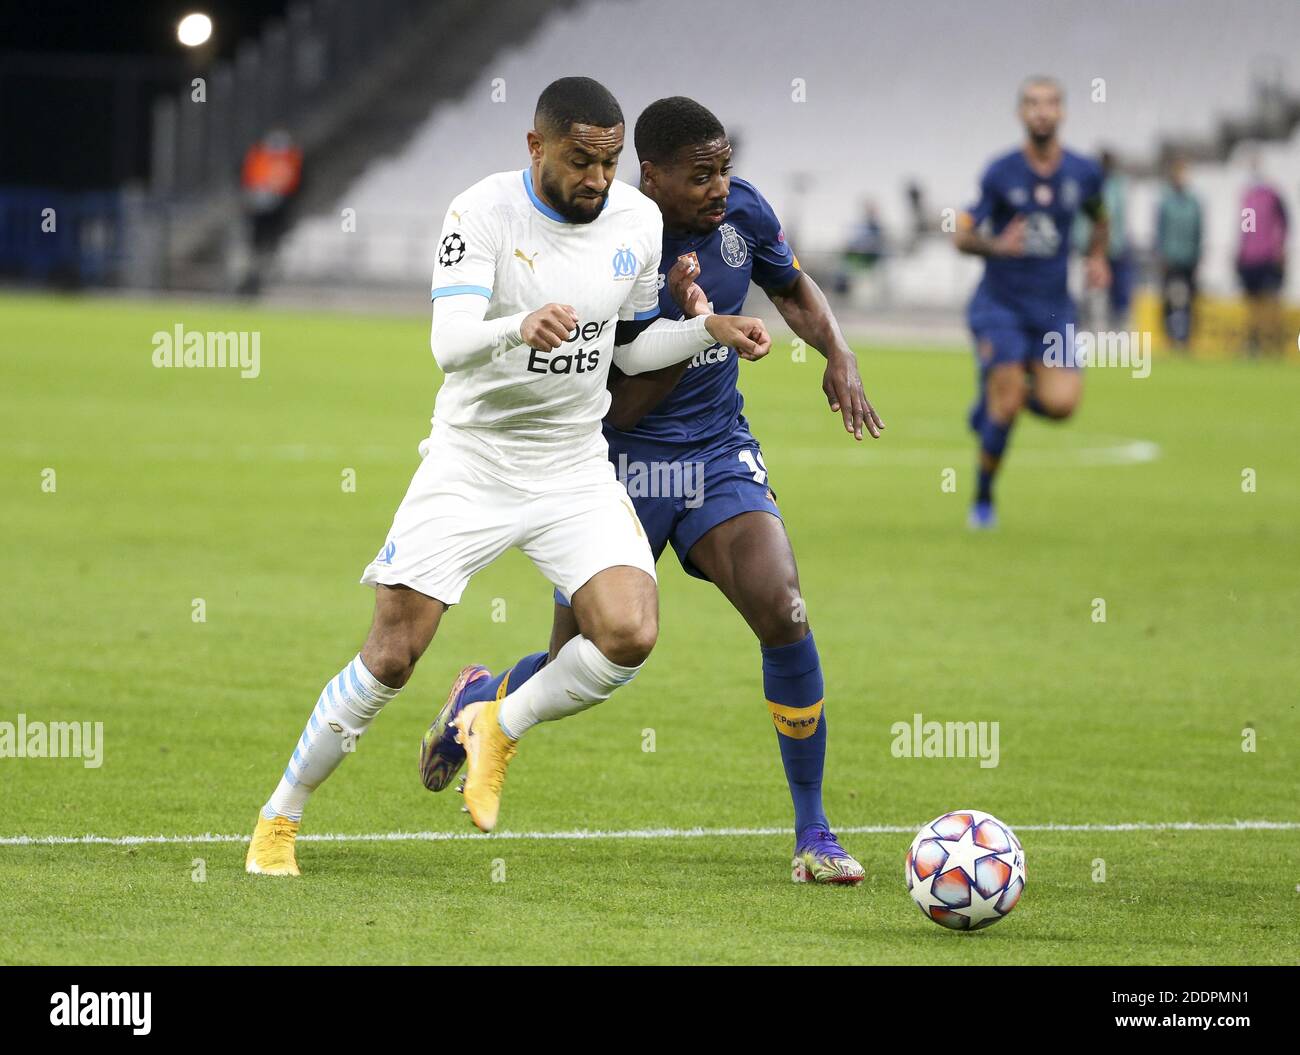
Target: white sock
point(346, 707)
point(574, 680)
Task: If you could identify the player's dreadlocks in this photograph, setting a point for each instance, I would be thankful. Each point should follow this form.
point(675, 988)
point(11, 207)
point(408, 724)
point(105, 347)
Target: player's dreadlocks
point(576, 101)
point(667, 125)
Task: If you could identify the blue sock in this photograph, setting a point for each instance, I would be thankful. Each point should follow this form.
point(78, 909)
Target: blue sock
point(993, 442)
point(792, 683)
point(487, 688)
point(993, 437)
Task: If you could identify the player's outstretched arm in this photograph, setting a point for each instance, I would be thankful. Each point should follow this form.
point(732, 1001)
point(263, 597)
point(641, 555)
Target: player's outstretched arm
point(665, 342)
point(806, 311)
point(461, 338)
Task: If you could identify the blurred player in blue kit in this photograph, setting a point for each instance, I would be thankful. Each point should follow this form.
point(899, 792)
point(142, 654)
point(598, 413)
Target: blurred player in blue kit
point(1021, 316)
point(685, 424)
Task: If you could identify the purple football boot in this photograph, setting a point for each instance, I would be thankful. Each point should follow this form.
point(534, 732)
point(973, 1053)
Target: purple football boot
point(440, 756)
point(819, 858)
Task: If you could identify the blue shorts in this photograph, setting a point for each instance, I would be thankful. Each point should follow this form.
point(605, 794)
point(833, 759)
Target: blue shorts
point(1005, 336)
point(681, 499)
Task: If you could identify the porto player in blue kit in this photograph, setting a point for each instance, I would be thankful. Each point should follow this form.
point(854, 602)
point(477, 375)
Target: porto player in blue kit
point(684, 425)
point(1022, 316)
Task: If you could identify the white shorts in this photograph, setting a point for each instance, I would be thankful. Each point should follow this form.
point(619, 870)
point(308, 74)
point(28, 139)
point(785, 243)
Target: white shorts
point(460, 514)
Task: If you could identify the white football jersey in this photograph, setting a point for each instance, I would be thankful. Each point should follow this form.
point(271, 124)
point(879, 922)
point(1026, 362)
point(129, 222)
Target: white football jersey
point(525, 407)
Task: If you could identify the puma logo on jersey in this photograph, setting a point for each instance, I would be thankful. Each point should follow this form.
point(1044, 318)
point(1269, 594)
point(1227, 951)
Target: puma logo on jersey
point(527, 260)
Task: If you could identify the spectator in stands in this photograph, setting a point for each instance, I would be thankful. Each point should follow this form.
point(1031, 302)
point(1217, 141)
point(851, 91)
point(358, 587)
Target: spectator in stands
point(1261, 263)
point(918, 211)
point(1114, 195)
point(271, 179)
point(1118, 296)
point(867, 239)
point(272, 175)
point(865, 247)
point(1179, 225)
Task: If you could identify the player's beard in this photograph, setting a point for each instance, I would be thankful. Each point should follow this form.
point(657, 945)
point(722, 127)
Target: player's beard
point(577, 211)
point(1042, 140)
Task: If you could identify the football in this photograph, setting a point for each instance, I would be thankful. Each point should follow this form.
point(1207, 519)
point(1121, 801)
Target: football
point(966, 870)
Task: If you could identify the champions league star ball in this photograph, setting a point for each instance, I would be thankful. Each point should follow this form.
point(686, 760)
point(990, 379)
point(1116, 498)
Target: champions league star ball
point(965, 870)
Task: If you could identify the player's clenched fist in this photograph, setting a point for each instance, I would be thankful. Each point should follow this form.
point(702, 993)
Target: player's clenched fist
point(684, 288)
point(747, 335)
point(548, 327)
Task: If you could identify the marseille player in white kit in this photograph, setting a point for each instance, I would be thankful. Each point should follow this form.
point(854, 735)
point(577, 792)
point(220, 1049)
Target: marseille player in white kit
point(543, 278)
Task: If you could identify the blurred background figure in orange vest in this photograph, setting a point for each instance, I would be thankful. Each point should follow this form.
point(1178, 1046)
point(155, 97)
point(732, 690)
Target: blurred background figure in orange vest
point(272, 175)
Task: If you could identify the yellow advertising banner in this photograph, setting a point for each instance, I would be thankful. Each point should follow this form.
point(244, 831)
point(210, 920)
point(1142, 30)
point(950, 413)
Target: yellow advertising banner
point(1218, 327)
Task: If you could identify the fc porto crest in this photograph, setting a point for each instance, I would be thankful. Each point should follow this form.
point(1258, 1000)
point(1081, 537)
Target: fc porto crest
point(624, 263)
point(734, 250)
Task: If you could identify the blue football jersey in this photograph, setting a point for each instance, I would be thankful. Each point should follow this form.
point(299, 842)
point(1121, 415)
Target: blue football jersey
point(1032, 287)
point(704, 408)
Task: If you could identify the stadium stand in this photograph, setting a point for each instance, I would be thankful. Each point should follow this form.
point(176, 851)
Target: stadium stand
point(877, 111)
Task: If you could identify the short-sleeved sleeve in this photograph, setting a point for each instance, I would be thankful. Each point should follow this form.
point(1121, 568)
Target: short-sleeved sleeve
point(983, 209)
point(642, 302)
point(775, 265)
point(467, 252)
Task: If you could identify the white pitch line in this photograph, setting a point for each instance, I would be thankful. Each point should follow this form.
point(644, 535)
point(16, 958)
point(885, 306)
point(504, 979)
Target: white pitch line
point(634, 833)
point(1106, 450)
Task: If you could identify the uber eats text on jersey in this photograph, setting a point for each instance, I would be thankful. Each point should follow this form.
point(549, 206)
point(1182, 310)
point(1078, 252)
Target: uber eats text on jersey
point(570, 362)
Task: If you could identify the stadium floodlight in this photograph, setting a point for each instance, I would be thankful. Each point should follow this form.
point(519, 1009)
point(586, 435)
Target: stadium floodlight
point(193, 30)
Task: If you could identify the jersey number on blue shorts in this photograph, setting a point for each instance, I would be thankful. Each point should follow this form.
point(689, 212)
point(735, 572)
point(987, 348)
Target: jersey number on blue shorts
point(756, 465)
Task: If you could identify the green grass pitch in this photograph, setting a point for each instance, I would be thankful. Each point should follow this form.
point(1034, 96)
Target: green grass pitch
point(177, 485)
